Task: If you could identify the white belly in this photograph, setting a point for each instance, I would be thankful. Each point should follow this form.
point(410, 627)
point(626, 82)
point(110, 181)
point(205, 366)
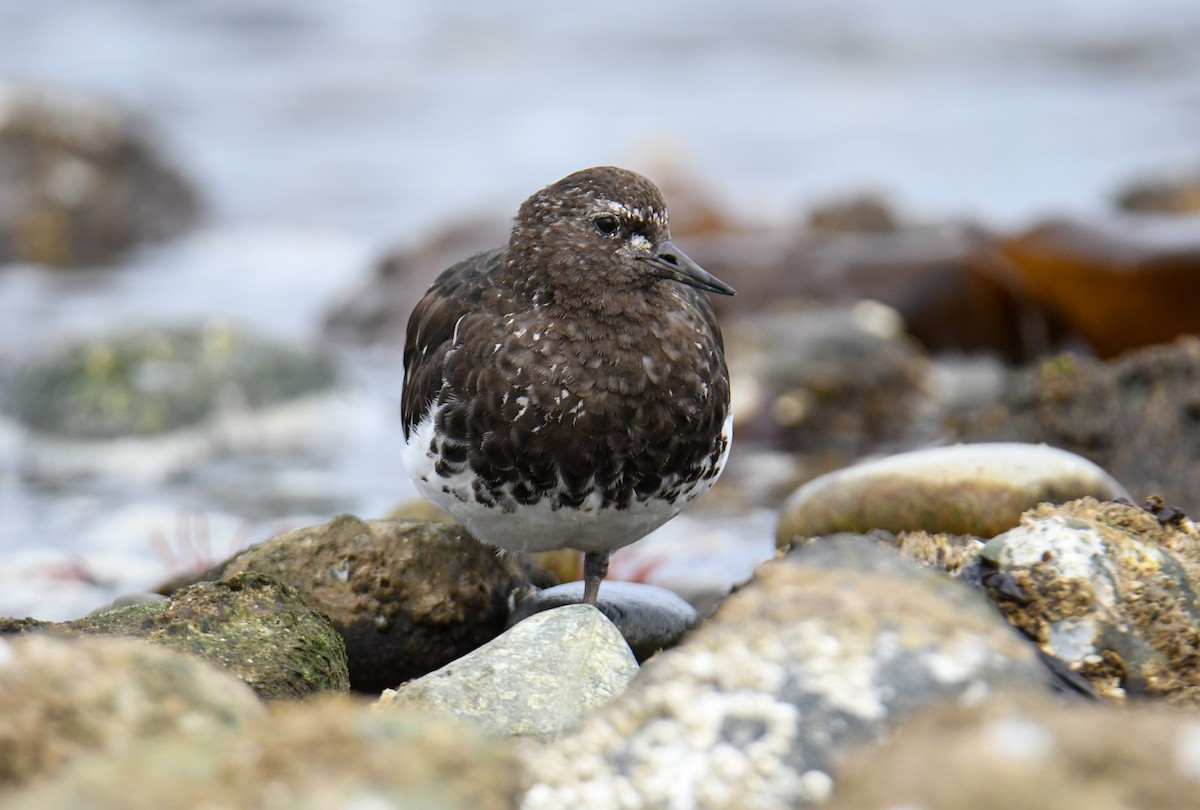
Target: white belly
point(540, 526)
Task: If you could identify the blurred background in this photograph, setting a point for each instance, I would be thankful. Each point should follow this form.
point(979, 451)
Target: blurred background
point(215, 215)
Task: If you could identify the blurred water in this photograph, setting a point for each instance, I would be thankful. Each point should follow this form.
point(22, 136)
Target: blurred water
point(320, 132)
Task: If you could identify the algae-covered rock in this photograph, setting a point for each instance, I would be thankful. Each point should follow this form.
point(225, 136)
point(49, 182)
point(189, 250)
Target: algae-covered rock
point(948, 552)
point(407, 597)
point(151, 382)
point(327, 754)
point(61, 698)
point(1108, 588)
point(249, 625)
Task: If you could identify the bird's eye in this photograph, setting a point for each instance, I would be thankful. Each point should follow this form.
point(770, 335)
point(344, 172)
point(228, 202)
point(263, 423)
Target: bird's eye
point(607, 225)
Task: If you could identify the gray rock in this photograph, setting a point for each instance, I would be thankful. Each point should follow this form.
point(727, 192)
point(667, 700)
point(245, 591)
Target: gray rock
point(406, 596)
point(1031, 752)
point(249, 625)
point(829, 380)
point(969, 489)
point(537, 679)
point(331, 753)
point(1108, 588)
point(649, 618)
point(822, 651)
point(63, 698)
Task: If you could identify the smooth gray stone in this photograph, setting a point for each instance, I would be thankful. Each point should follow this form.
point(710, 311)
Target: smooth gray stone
point(537, 679)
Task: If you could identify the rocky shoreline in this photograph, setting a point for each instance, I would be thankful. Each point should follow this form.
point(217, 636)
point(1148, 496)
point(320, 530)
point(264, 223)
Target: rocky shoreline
point(1079, 615)
point(977, 469)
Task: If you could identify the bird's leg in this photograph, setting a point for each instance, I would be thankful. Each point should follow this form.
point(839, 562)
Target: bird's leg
point(595, 567)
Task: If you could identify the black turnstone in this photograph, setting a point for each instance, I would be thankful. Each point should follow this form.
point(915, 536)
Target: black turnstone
point(569, 389)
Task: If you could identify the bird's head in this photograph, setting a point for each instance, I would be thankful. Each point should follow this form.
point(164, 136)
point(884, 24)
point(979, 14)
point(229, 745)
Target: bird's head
point(604, 224)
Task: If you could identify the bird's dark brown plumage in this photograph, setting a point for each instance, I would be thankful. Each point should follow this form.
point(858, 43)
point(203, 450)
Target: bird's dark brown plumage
point(569, 388)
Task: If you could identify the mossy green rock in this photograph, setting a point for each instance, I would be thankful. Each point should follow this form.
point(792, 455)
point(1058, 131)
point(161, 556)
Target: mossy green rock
point(155, 381)
point(408, 597)
point(249, 625)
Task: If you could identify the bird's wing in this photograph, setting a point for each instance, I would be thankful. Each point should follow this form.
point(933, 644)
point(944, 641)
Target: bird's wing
point(433, 327)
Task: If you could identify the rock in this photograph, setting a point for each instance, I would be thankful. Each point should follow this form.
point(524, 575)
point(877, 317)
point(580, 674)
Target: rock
point(418, 509)
point(407, 597)
point(825, 381)
point(1134, 416)
point(967, 489)
point(1172, 194)
point(702, 555)
point(822, 651)
point(1030, 752)
point(649, 618)
point(80, 180)
point(1122, 283)
point(950, 553)
point(537, 679)
point(1108, 588)
point(155, 381)
point(151, 403)
point(63, 698)
point(319, 755)
point(248, 625)
point(858, 213)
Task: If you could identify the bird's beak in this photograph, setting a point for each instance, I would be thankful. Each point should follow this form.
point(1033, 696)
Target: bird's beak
point(673, 264)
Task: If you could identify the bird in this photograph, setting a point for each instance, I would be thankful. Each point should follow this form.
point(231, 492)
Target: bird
point(569, 388)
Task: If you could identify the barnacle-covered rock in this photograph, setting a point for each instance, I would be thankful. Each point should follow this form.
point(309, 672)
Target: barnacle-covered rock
point(1110, 589)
